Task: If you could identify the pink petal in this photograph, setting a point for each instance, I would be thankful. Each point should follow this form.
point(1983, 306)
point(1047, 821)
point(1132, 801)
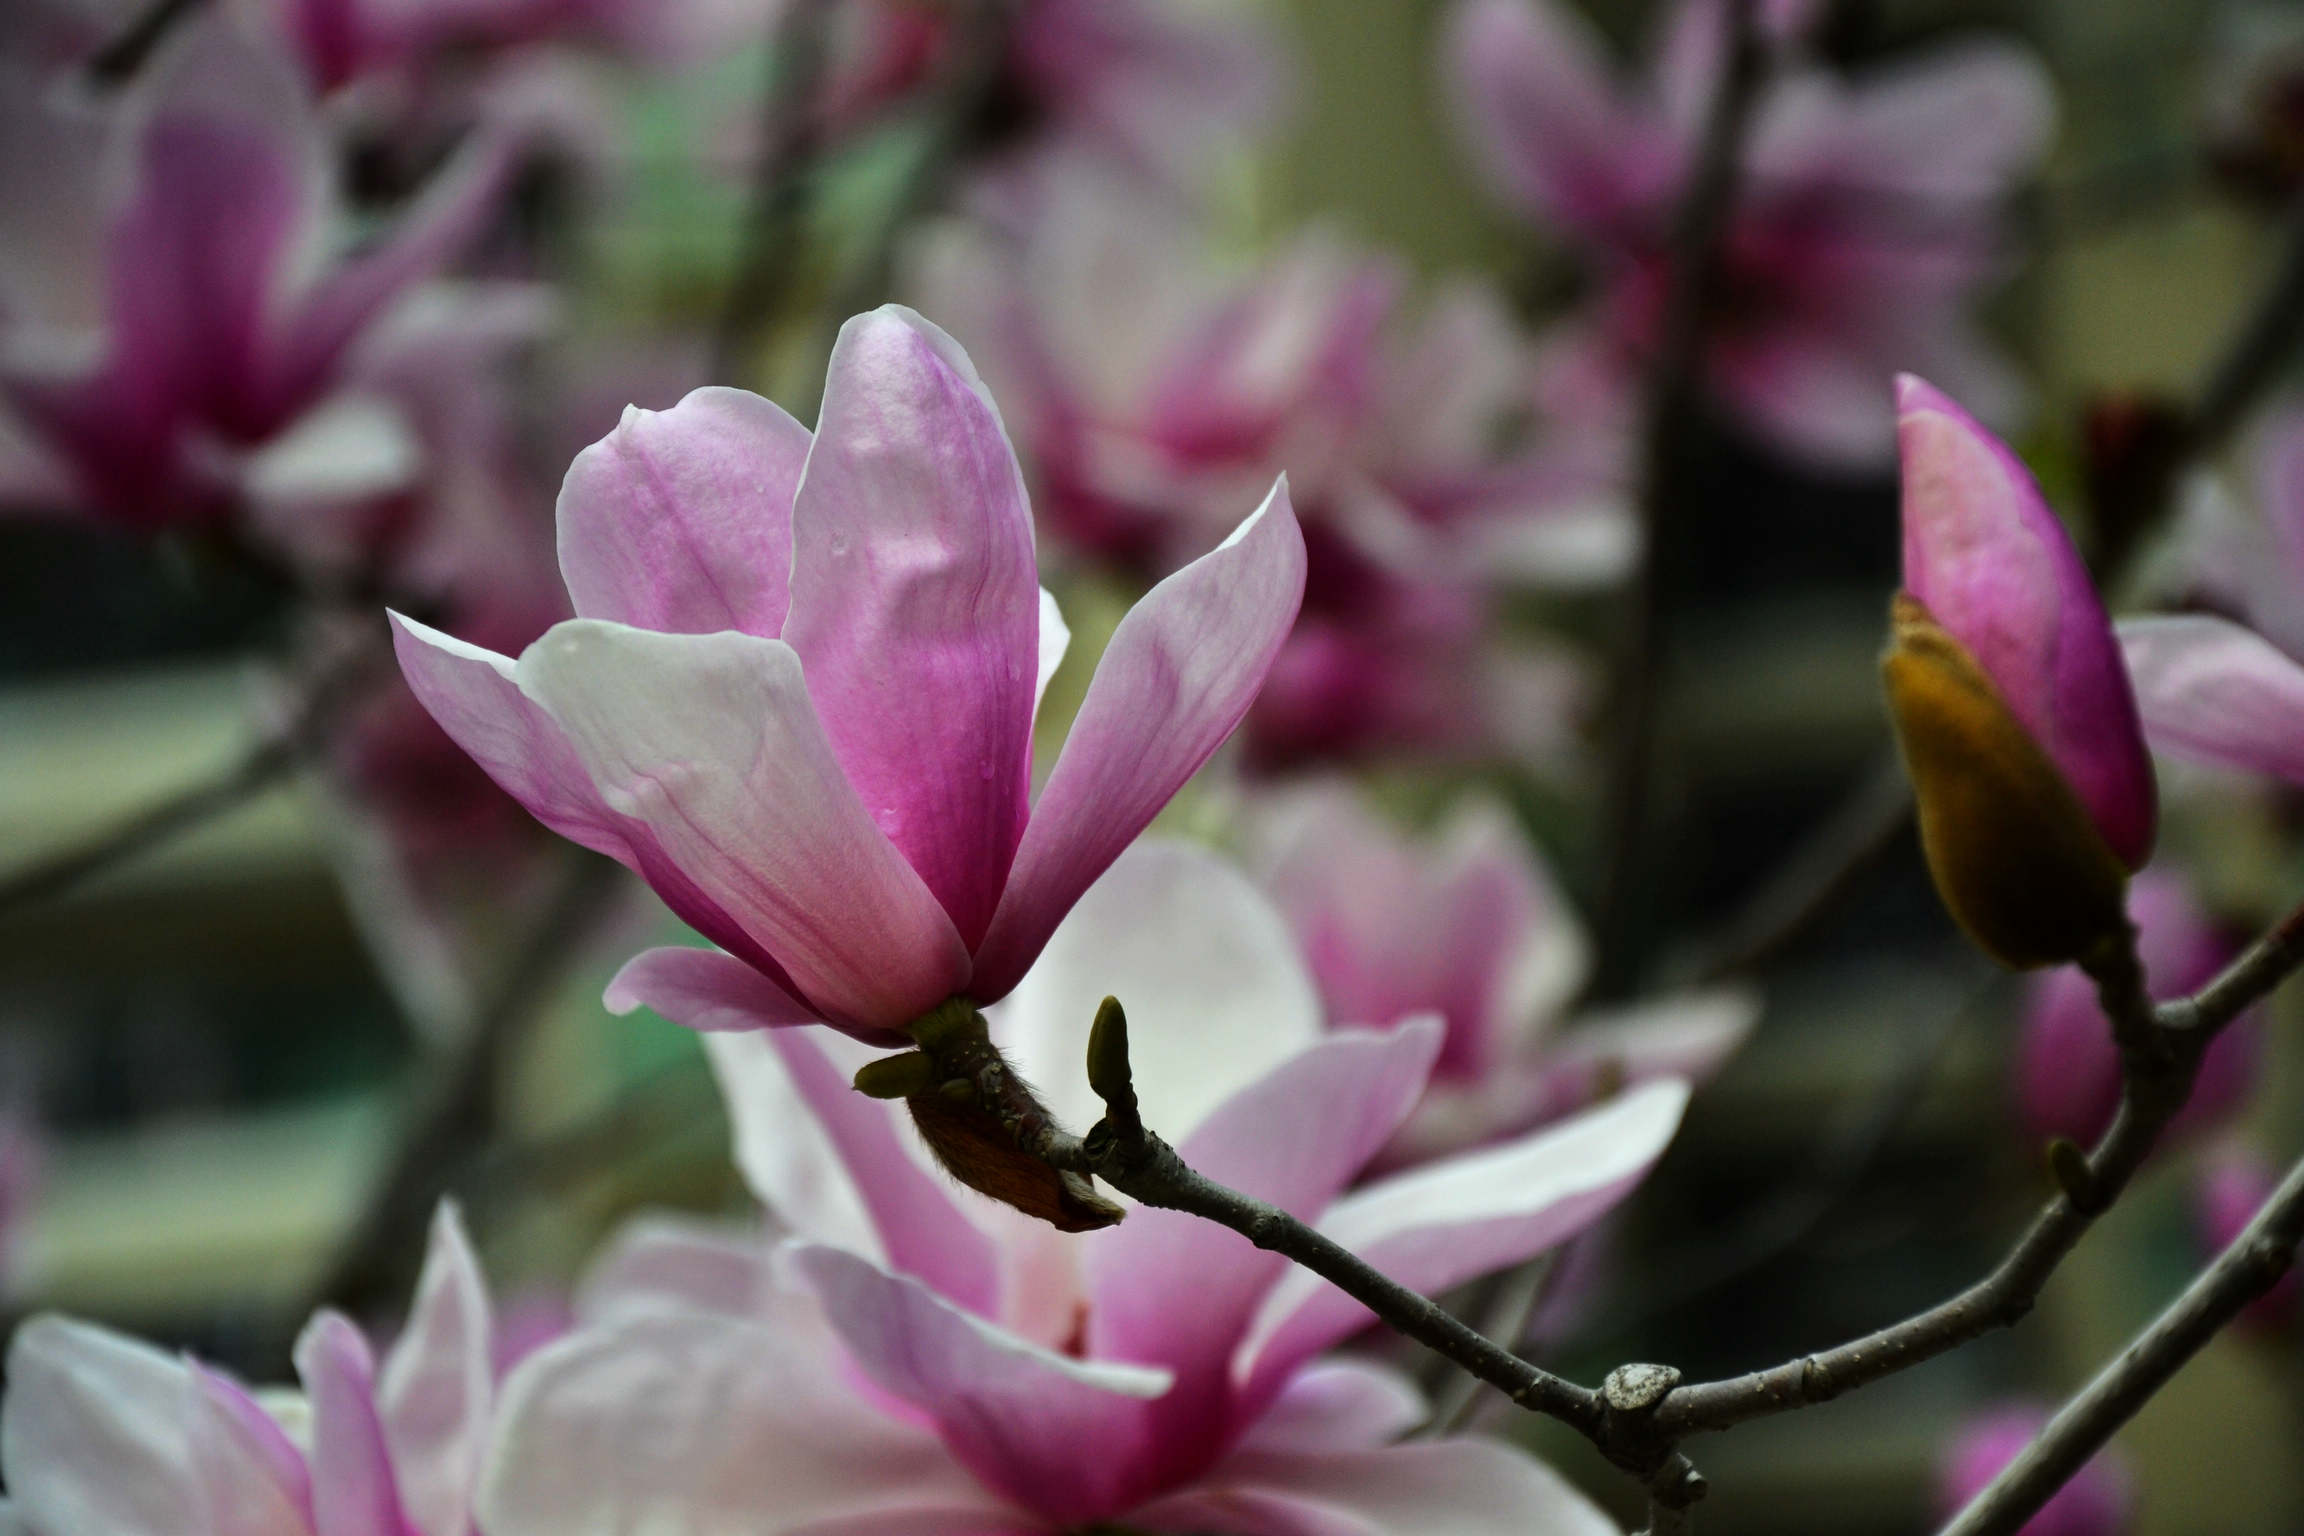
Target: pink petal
point(916, 605)
point(1466, 1487)
point(686, 1422)
point(92, 1434)
point(1452, 1221)
point(1339, 1405)
point(1179, 673)
point(1217, 996)
point(476, 699)
point(353, 1491)
point(1995, 568)
point(711, 742)
point(681, 520)
point(707, 991)
point(1060, 1435)
point(2213, 692)
point(1295, 1138)
point(256, 1481)
point(2100, 1501)
point(439, 1382)
point(662, 1259)
point(833, 1165)
point(1546, 120)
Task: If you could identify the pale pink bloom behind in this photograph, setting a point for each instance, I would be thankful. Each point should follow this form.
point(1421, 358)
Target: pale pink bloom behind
point(918, 1358)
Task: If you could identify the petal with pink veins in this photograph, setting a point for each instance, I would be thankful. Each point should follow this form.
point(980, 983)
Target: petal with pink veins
point(712, 743)
point(1178, 675)
point(255, 1478)
point(1063, 1436)
point(681, 520)
point(916, 604)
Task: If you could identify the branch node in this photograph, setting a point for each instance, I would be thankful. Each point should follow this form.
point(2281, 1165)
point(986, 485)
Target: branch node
point(2069, 1166)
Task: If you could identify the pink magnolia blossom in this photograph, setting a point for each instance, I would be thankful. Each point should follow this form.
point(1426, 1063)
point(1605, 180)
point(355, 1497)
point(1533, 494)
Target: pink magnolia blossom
point(1867, 218)
point(2226, 687)
point(2228, 1189)
point(103, 1436)
point(2067, 1067)
point(1150, 389)
point(2097, 1502)
point(931, 1361)
point(1994, 568)
point(174, 287)
point(1467, 924)
point(1148, 89)
point(798, 697)
point(22, 1163)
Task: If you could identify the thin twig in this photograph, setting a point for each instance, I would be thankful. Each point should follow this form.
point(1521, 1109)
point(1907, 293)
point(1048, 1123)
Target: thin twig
point(2218, 1295)
point(340, 685)
point(1673, 411)
point(457, 1111)
point(136, 42)
point(768, 257)
point(1509, 1313)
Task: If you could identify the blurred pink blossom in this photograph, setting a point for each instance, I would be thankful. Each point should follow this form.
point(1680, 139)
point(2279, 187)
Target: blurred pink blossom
point(1150, 387)
point(175, 285)
point(2097, 1502)
point(22, 1162)
point(1868, 220)
point(103, 1436)
point(858, 837)
point(2068, 1069)
point(940, 1363)
point(2228, 1189)
point(2225, 686)
point(1467, 924)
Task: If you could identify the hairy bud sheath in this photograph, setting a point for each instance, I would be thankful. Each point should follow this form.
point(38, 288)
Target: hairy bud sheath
point(2013, 852)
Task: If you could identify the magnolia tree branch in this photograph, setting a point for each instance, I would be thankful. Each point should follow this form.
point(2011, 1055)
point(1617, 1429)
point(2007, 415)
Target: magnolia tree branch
point(2243, 1272)
point(1642, 1413)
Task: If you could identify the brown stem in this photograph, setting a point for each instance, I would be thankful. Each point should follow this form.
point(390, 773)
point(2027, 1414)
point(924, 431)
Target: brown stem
point(2243, 1272)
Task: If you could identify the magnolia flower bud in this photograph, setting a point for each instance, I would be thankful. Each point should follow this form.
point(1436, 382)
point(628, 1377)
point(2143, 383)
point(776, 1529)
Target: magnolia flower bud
point(2011, 700)
point(2014, 855)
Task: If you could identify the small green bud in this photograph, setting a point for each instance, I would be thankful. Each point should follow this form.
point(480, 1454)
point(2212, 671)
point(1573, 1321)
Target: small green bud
point(1108, 1070)
point(896, 1077)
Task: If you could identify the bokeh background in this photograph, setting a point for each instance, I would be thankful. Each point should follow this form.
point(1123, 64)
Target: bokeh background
point(229, 1061)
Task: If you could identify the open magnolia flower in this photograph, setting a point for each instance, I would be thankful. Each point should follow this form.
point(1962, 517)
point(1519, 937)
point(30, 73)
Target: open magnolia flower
point(160, 323)
point(103, 1436)
point(2011, 700)
point(1468, 925)
point(936, 1363)
point(798, 695)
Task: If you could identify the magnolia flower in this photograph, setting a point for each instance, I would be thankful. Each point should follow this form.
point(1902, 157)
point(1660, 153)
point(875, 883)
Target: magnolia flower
point(1468, 925)
point(175, 289)
point(798, 697)
point(1150, 390)
point(2098, 1501)
point(2011, 700)
point(936, 1363)
point(2229, 691)
point(2228, 1189)
point(103, 1436)
point(1866, 217)
point(2067, 1067)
